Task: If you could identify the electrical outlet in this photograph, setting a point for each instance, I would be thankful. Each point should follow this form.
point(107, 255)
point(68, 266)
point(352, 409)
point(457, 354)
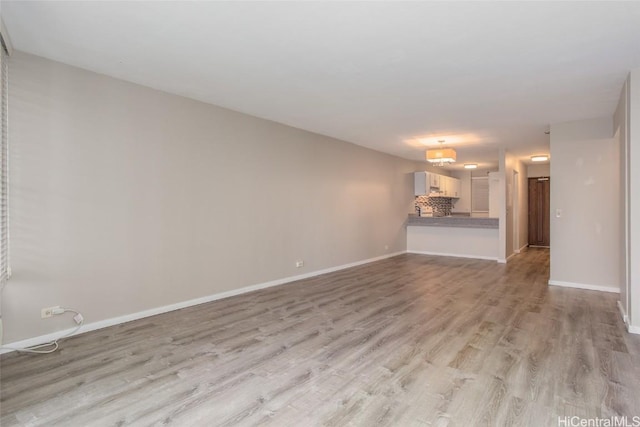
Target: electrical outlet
point(299, 263)
point(48, 312)
point(78, 318)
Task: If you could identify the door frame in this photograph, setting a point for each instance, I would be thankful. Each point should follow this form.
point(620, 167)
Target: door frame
point(530, 210)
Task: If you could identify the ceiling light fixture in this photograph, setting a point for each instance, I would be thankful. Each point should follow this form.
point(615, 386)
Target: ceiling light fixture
point(470, 165)
point(441, 156)
point(539, 158)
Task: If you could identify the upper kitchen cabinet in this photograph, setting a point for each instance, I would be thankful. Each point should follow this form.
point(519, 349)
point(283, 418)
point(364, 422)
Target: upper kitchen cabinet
point(433, 179)
point(422, 183)
point(444, 186)
point(454, 187)
point(435, 185)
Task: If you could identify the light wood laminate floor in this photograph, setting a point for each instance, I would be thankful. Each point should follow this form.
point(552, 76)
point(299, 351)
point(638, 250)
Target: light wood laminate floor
point(413, 340)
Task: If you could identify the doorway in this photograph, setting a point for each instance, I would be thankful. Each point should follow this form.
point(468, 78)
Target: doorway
point(539, 196)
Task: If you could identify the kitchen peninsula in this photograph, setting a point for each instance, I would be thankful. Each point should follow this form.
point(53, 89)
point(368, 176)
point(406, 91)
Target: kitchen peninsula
point(453, 221)
point(441, 232)
point(466, 237)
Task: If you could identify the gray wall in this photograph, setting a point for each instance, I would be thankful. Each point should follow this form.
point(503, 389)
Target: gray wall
point(124, 198)
point(537, 170)
point(585, 187)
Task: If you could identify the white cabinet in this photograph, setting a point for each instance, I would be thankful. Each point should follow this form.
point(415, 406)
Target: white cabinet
point(420, 183)
point(434, 179)
point(454, 187)
point(435, 185)
point(444, 186)
point(449, 187)
point(425, 183)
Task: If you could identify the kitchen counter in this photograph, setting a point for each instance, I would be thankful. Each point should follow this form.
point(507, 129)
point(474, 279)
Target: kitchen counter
point(452, 221)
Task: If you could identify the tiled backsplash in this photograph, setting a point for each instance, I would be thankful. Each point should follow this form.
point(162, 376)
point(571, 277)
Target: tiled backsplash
point(441, 206)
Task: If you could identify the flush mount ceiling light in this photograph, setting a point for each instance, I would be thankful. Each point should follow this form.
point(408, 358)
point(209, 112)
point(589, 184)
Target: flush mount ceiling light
point(441, 156)
point(539, 158)
point(470, 165)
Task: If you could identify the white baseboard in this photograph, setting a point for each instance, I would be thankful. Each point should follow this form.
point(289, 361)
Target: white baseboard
point(625, 318)
point(522, 249)
point(452, 255)
point(510, 256)
point(583, 286)
point(183, 304)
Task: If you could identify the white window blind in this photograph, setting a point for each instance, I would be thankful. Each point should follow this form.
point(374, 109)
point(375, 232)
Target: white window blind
point(4, 176)
point(480, 194)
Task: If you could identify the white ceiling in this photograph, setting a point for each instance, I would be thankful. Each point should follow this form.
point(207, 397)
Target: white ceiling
point(391, 76)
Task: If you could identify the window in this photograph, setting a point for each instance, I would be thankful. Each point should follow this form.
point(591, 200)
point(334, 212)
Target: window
point(480, 194)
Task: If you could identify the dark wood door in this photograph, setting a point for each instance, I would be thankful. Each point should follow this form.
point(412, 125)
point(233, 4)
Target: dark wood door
point(539, 190)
